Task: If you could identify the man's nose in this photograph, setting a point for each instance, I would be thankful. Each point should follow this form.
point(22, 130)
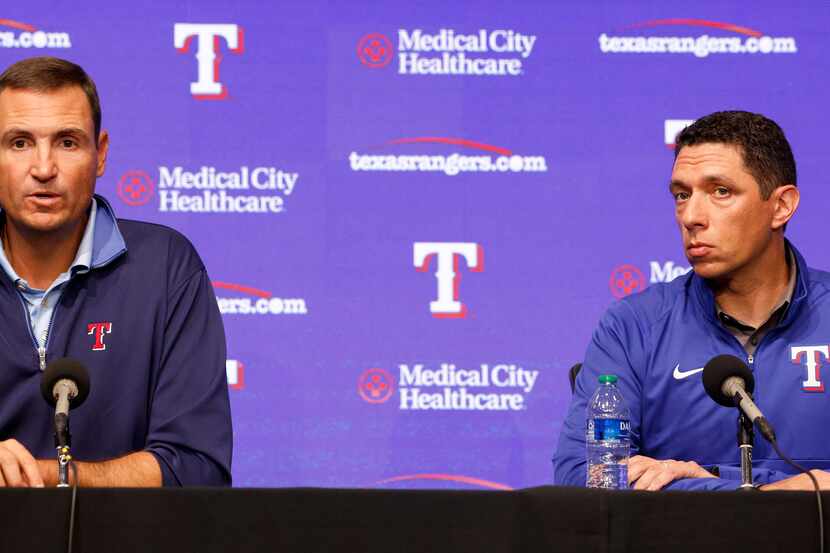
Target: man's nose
point(694, 212)
point(44, 167)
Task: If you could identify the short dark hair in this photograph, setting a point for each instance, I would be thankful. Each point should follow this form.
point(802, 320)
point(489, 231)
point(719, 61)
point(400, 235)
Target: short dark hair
point(44, 74)
point(766, 153)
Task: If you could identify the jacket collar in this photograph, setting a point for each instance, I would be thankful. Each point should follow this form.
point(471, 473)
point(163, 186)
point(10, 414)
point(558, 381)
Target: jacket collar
point(108, 243)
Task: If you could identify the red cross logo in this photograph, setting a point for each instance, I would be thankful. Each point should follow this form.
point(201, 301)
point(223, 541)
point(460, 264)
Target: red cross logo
point(375, 385)
point(375, 50)
point(135, 187)
point(625, 280)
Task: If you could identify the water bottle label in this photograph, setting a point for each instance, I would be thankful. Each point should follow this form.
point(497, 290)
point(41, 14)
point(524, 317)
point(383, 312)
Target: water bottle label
point(610, 429)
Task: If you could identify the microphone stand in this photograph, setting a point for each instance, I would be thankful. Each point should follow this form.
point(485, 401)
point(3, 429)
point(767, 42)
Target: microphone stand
point(746, 437)
point(63, 440)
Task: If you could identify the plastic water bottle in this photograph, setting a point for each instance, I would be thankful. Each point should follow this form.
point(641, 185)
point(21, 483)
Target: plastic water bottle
point(607, 437)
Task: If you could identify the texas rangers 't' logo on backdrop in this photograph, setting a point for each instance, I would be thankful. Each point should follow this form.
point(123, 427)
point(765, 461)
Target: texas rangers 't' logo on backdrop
point(235, 372)
point(208, 87)
point(671, 128)
point(447, 255)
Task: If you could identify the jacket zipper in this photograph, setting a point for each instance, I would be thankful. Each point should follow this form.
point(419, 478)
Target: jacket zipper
point(39, 349)
point(750, 358)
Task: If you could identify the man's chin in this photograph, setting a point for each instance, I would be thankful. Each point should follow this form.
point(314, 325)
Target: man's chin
point(708, 269)
point(42, 223)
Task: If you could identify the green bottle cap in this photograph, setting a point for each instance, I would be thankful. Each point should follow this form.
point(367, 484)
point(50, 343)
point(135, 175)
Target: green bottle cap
point(608, 379)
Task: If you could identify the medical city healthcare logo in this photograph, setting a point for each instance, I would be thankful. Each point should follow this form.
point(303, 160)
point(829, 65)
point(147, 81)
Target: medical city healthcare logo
point(490, 53)
point(247, 300)
point(496, 160)
point(627, 279)
point(209, 38)
point(208, 189)
point(638, 39)
point(14, 34)
point(446, 386)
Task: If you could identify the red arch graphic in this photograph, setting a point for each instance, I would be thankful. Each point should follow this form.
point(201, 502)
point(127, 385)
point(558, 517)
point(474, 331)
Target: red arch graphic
point(699, 23)
point(17, 25)
point(448, 478)
point(456, 141)
point(241, 288)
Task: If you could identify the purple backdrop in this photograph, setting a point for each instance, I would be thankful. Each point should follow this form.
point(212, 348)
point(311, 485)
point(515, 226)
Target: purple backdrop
point(415, 215)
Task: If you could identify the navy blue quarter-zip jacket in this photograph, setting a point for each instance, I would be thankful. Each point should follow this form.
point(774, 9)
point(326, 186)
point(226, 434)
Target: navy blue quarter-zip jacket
point(145, 323)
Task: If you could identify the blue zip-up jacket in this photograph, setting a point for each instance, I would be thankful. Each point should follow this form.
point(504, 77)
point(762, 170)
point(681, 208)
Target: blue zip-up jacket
point(651, 339)
point(158, 384)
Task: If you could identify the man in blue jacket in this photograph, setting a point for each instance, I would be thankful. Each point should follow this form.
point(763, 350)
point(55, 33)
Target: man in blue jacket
point(131, 301)
point(750, 294)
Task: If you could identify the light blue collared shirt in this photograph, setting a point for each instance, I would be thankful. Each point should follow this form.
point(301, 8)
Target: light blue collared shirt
point(41, 303)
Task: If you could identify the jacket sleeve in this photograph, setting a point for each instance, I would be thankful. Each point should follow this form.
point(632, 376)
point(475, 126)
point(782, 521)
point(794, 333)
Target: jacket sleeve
point(760, 476)
point(190, 424)
point(703, 484)
point(617, 347)
point(730, 479)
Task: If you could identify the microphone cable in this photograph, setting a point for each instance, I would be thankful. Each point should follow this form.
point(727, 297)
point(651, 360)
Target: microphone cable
point(73, 501)
point(815, 485)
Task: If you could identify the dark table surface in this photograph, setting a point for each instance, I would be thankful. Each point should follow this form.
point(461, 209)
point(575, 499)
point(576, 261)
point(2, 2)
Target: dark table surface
point(322, 520)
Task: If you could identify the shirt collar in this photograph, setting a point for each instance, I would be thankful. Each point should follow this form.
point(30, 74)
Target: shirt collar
point(781, 306)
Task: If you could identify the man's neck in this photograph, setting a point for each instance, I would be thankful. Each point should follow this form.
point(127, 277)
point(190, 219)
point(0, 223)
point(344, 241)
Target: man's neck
point(754, 292)
point(40, 257)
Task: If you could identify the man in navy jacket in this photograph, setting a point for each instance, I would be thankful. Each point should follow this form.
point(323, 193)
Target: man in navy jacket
point(131, 301)
point(750, 294)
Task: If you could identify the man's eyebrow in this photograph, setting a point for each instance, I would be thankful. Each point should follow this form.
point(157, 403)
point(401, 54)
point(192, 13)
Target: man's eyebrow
point(708, 179)
point(63, 131)
point(717, 177)
point(70, 130)
point(16, 131)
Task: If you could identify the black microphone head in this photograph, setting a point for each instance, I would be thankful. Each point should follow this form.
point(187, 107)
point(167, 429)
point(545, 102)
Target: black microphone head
point(69, 369)
point(718, 369)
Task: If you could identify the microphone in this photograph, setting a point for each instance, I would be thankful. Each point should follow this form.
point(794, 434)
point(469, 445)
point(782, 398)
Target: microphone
point(730, 383)
point(64, 385)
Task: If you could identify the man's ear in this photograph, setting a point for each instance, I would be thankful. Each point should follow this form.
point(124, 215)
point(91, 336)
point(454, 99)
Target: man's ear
point(103, 149)
point(785, 202)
